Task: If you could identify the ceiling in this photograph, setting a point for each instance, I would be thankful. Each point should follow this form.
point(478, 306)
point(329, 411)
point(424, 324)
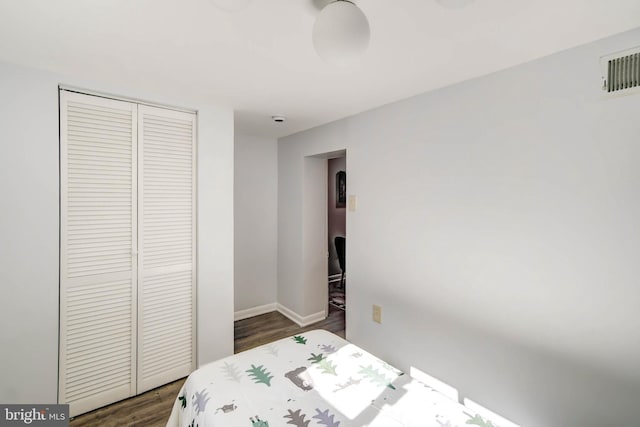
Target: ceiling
point(260, 60)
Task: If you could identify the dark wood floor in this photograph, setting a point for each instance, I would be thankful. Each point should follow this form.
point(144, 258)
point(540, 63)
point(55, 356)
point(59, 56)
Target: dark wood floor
point(152, 408)
point(273, 326)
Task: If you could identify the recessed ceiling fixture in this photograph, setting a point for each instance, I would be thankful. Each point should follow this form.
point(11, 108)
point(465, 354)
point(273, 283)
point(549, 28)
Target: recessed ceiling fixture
point(454, 4)
point(278, 119)
point(341, 32)
point(231, 5)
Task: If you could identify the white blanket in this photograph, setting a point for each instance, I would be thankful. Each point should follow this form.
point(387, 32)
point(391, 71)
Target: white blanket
point(314, 379)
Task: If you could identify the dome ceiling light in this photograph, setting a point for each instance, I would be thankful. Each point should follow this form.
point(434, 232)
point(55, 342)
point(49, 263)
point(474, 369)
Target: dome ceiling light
point(341, 33)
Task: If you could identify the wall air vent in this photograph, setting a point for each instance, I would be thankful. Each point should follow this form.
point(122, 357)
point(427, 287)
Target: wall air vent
point(621, 72)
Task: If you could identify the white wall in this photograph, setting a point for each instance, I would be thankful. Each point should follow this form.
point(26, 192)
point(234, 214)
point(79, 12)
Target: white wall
point(256, 221)
point(29, 224)
point(314, 286)
point(497, 226)
point(29, 227)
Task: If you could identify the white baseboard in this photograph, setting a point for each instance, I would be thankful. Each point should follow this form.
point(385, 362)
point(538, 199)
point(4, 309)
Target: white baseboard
point(301, 320)
point(268, 308)
point(254, 311)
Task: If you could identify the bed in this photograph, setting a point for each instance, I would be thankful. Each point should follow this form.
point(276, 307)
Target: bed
point(315, 379)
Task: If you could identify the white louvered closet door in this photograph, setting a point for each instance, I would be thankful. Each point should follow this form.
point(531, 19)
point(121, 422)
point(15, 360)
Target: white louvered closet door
point(98, 269)
point(166, 227)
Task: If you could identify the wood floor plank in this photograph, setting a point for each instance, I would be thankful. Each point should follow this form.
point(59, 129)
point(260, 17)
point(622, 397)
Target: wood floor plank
point(152, 408)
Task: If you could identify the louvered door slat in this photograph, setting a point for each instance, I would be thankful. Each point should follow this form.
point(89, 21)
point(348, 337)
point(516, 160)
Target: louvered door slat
point(127, 184)
point(166, 329)
point(98, 238)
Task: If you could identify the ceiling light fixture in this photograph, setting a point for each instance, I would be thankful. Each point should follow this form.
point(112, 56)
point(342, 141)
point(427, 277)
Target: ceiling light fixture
point(278, 119)
point(341, 32)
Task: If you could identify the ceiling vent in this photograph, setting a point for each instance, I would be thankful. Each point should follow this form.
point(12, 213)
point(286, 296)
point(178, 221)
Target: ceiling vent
point(621, 72)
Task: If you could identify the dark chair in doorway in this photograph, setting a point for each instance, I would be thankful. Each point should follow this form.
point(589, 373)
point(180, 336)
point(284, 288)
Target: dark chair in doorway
point(340, 243)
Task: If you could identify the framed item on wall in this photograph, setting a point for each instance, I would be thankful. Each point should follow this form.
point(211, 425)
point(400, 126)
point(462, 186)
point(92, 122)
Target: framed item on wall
point(341, 189)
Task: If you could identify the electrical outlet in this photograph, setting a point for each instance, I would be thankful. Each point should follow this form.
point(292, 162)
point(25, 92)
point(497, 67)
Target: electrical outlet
point(377, 313)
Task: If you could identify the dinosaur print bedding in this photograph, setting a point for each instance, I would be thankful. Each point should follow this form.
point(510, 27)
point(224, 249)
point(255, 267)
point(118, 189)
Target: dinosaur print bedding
point(315, 379)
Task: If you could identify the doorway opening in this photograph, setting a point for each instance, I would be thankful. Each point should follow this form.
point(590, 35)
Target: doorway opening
point(336, 232)
point(320, 196)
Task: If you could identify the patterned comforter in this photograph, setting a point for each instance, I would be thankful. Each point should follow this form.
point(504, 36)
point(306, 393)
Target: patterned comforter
point(316, 379)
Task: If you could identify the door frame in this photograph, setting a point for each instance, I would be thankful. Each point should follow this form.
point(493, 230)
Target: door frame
point(315, 231)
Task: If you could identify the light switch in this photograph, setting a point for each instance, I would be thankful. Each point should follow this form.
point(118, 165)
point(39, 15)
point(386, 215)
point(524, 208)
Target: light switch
point(352, 203)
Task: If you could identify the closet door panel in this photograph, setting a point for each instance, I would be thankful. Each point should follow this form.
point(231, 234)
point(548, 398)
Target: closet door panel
point(166, 227)
point(98, 244)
